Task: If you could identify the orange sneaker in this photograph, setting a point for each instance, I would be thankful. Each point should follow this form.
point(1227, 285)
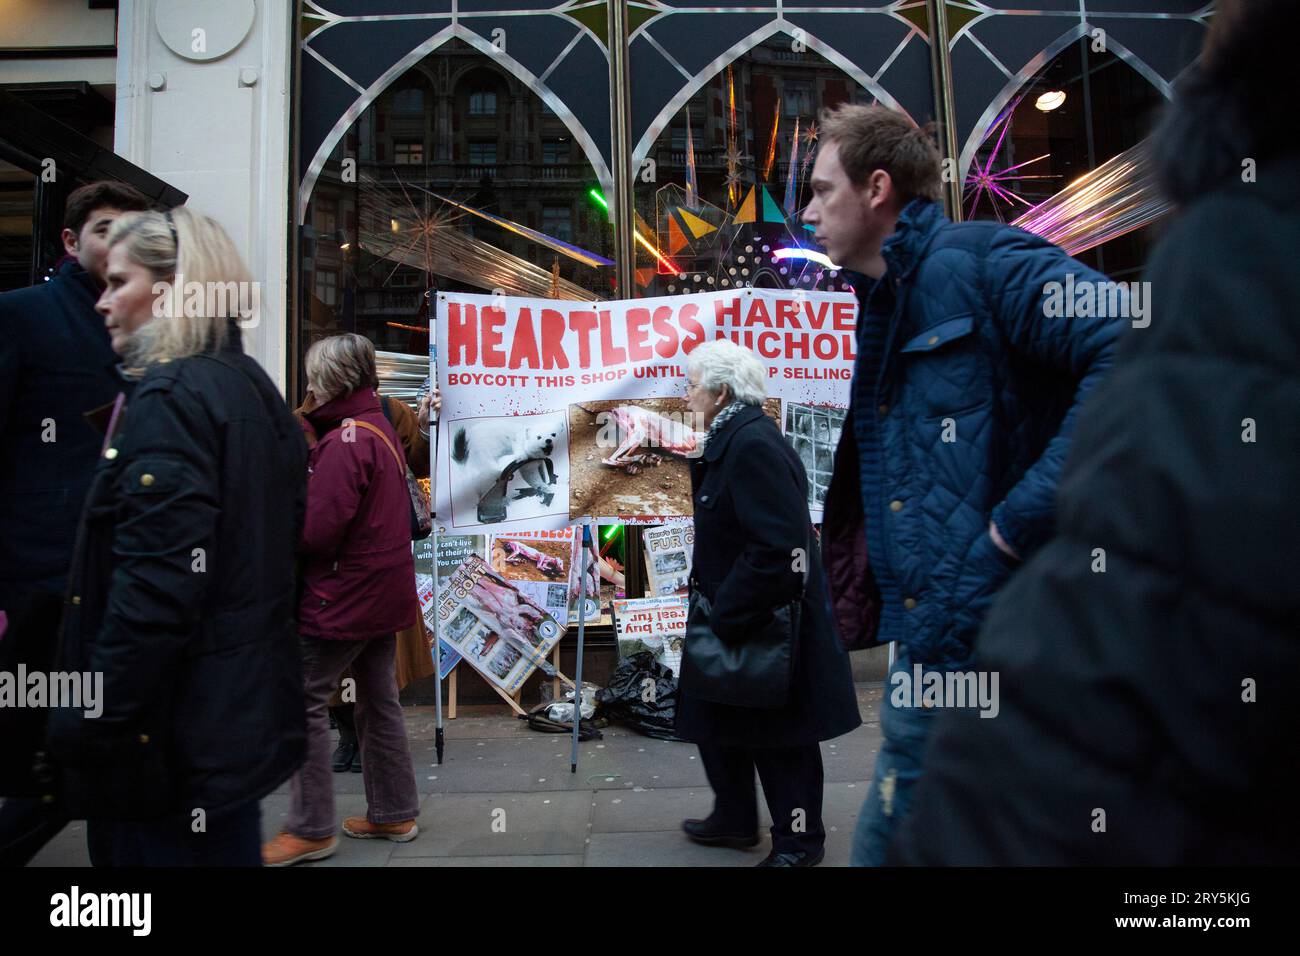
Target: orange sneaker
point(363, 829)
point(287, 849)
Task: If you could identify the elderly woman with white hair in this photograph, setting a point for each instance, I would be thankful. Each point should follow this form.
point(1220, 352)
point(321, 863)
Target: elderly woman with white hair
point(764, 679)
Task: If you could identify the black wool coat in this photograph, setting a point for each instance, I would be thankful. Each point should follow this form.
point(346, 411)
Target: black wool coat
point(1149, 655)
point(751, 514)
point(183, 596)
point(55, 365)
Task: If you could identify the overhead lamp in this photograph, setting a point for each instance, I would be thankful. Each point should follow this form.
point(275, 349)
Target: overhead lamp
point(1050, 100)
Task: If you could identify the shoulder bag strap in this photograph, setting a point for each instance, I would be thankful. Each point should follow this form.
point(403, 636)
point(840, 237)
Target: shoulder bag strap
point(401, 465)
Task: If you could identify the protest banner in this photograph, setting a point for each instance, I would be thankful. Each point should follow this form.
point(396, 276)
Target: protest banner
point(501, 633)
point(656, 624)
point(669, 551)
point(543, 565)
point(557, 410)
point(436, 558)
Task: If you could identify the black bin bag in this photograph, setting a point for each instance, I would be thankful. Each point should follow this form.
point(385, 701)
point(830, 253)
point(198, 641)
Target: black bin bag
point(642, 694)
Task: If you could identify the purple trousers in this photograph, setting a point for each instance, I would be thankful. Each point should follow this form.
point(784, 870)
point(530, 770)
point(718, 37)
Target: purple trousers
point(391, 796)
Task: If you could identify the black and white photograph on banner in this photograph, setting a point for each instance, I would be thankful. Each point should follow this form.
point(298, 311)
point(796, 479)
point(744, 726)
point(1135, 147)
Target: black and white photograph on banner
point(815, 433)
point(507, 469)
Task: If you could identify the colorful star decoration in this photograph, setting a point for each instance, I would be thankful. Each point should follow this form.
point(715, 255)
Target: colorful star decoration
point(984, 178)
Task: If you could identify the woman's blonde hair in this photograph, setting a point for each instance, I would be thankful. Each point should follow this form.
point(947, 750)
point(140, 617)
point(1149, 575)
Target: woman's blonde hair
point(339, 365)
point(180, 249)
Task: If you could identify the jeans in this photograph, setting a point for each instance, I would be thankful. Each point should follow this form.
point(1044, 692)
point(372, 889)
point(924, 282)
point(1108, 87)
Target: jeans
point(389, 779)
point(231, 837)
point(906, 732)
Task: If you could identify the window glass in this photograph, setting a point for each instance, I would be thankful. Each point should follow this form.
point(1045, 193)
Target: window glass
point(410, 100)
point(558, 221)
point(408, 152)
point(555, 151)
point(17, 202)
point(750, 168)
point(432, 190)
point(483, 153)
point(1044, 139)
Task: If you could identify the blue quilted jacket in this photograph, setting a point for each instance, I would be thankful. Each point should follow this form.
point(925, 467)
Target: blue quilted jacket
point(963, 400)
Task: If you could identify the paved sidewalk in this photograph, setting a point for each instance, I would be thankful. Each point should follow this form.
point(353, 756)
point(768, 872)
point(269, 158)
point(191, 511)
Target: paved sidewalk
point(624, 807)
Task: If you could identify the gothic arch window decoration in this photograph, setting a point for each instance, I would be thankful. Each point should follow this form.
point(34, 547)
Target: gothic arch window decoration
point(1157, 38)
point(354, 50)
point(667, 50)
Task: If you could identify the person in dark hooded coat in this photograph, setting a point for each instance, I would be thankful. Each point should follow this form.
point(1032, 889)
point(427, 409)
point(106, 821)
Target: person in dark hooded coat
point(1149, 655)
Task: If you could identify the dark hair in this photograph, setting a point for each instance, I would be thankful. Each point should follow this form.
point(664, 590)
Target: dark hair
point(873, 137)
point(106, 194)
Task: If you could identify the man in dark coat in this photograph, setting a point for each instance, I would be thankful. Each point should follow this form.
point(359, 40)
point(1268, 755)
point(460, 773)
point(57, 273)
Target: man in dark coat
point(751, 530)
point(55, 366)
point(976, 344)
point(1149, 655)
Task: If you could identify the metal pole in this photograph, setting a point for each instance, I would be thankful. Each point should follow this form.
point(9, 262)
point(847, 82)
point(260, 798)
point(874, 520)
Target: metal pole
point(582, 633)
point(1087, 126)
point(944, 115)
point(438, 738)
point(620, 118)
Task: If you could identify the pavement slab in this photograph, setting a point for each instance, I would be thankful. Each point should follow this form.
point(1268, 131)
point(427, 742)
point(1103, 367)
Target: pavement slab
point(505, 797)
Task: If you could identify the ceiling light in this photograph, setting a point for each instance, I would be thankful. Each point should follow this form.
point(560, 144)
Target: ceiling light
point(1050, 100)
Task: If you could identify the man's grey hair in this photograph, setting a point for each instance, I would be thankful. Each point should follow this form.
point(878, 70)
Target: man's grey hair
point(723, 362)
point(339, 365)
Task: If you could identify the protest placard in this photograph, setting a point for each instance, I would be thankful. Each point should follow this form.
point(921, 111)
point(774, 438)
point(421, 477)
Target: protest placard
point(556, 410)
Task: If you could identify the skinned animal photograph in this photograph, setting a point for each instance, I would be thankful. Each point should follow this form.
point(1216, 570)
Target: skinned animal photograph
point(631, 457)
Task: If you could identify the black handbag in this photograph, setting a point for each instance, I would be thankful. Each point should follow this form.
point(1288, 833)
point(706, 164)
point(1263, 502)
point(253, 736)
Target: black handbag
point(756, 672)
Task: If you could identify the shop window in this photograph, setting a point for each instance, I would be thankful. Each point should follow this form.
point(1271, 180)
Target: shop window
point(403, 238)
point(1044, 139)
point(325, 217)
point(722, 218)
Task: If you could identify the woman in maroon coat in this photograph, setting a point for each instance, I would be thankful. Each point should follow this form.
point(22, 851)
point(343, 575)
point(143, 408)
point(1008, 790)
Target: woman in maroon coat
point(357, 573)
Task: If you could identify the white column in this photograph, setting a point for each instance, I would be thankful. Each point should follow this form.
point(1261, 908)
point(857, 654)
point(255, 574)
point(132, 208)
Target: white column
point(203, 102)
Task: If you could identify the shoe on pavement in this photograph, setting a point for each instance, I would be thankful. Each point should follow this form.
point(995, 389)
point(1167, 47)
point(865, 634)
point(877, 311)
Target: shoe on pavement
point(356, 759)
point(363, 829)
point(793, 859)
point(344, 755)
point(703, 831)
point(287, 849)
